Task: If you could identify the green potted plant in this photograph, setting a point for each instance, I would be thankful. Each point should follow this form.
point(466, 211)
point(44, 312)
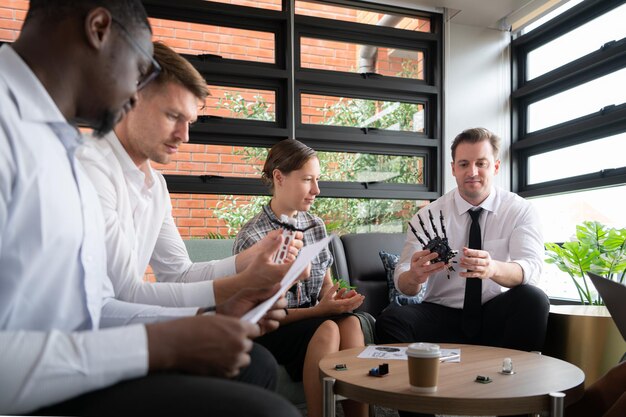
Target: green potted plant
point(596, 248)
point(585, 335)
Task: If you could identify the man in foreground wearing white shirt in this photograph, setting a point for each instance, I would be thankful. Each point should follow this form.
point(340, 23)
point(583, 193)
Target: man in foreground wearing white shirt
point(68, 346)
point(140, 229)
point(469, 304)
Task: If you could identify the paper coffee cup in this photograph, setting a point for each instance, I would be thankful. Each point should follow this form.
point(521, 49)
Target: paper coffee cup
point(423, 366)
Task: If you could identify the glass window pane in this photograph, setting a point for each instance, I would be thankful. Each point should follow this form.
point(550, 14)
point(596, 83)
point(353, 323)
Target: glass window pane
point(577, 43)
point(551, 15)
point(579, 101)
point(210, 216)
point(349, 215)
point(227, 42)
point(241, 103)
point(559, 216)
point(359, 167)
point(236, 161)
point(261, 4)
point(349, 57)
point(348, 14)
point(575, 160)
point(557, 284)
point(561, 213)
point(356, 112)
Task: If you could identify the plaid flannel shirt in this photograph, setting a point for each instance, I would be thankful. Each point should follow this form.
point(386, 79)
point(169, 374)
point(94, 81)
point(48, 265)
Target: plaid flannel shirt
point(261, 224)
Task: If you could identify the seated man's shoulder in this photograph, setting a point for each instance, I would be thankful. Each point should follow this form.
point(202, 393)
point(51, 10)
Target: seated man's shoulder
point(513, 201)
point(94, 149)
point(4, 92)
point(7, 104)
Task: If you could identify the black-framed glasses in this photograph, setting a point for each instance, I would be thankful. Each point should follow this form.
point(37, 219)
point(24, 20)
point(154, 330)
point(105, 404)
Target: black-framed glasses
point(155, 68)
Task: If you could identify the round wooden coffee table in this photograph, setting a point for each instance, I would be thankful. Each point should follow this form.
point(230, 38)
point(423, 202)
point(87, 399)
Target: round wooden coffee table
point(527, 391)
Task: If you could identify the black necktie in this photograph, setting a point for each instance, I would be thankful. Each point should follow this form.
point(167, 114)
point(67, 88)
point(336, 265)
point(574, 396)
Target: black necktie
point(472, 314)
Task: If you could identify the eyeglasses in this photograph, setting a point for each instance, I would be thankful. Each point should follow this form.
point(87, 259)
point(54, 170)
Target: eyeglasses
point(155, 68)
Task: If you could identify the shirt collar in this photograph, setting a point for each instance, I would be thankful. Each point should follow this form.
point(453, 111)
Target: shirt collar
point(32, 100)
point(270, 214)
point(490, 204)
point(142, 177)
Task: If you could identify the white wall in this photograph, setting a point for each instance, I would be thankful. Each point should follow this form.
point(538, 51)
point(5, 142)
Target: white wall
point(477, 88)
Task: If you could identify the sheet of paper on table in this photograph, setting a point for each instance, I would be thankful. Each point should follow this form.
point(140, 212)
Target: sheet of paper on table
point(399, 353)
point(306, 255)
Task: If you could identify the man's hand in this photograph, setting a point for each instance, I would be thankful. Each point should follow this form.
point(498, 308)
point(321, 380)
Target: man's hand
point(270, 243)
point(261, 271)
point(409, 282)
point(421, 266)
point(478, 264)
point(213, 345)
point(294, 247)
point(248, 298)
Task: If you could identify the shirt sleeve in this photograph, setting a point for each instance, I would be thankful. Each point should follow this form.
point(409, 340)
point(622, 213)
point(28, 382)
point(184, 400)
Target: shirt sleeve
point(526, 246)
point(7, 172)
point(121, 313)
point(122, 263)
point(170, 260)
point(43, 368)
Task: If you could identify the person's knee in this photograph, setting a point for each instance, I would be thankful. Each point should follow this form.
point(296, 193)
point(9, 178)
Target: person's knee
point(327, 334)
point(273, 405)
point(533, 298)
point(351, 325)
point(262, 370)
point(253, 402)
point(351, 334)
point(388, 324)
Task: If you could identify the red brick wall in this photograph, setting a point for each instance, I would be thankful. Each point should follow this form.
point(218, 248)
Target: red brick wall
point(12, 14)
point(193, 213)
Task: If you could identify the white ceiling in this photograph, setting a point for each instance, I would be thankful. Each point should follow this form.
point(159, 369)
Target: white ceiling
point(497, 14)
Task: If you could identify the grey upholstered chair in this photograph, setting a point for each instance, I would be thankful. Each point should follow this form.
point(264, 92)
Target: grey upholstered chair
point(365, 269)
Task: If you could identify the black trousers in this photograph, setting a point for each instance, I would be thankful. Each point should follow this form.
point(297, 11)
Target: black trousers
point(172, 394)
point(515, 319)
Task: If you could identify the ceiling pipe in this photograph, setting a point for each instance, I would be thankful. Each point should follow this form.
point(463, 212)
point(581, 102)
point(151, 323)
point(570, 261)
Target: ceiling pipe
point(369, 53)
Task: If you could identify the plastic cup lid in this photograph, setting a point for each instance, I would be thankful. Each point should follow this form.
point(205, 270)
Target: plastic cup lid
point(424, 350)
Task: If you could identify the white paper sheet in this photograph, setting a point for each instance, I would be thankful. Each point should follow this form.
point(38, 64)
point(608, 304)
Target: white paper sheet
point(399, 353)
point(306, 255)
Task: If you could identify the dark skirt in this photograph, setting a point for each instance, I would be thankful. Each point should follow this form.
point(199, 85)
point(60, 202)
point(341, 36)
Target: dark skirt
point(289, 343)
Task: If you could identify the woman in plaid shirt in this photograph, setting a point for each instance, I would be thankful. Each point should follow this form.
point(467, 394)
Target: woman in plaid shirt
point(318, 320)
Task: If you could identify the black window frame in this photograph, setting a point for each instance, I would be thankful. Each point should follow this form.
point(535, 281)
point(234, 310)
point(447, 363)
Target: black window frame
point(606, 122)
point(279, 77)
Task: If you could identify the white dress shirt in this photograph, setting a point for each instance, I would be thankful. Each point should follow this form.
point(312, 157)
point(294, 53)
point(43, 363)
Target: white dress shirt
point(510, 229)
point(54, 292)
point(140, 230)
